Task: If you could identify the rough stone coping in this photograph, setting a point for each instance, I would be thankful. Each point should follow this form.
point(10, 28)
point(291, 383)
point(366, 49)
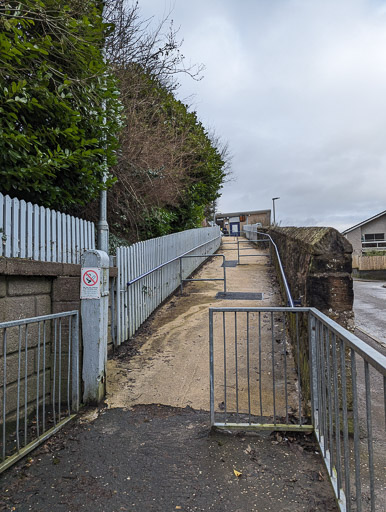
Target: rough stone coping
point(317, 240)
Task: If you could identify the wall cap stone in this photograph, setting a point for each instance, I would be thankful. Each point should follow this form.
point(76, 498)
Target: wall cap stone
point(317, 240)
point(24, 267)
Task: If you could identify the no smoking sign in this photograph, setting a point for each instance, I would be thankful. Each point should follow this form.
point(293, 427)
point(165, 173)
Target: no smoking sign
point(90, 284)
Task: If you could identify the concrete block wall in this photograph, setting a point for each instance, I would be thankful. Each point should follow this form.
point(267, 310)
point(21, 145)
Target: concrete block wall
point(29, 289)
point(23, 297)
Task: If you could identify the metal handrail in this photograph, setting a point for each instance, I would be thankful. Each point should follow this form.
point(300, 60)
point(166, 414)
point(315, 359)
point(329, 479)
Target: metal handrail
point(368, 353)
point(287, 290)
point(129, 283)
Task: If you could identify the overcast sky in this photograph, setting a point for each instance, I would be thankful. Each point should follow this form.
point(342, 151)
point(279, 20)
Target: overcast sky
point(298, 90)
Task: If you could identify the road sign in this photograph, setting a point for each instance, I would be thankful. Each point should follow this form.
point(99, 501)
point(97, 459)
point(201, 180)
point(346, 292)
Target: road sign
point(90, 283)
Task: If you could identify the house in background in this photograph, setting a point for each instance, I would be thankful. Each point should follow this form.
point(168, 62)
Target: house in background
point(369, 235)
point(234, 221)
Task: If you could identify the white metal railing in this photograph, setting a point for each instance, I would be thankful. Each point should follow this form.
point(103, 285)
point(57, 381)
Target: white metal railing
point(148, 272)
point(34, 232)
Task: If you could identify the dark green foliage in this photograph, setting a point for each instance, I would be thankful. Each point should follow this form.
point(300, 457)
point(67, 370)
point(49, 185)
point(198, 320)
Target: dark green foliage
point(53, 88)
point(61, 118)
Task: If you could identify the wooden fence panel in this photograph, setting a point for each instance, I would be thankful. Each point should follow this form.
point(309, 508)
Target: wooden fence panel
point(369, 262)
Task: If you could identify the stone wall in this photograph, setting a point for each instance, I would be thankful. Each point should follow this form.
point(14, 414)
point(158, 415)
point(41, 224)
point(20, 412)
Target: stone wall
point(317, 263)
point(318, 266)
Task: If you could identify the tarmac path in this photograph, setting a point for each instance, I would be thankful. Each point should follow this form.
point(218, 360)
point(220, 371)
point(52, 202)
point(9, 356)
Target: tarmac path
point(150, 447)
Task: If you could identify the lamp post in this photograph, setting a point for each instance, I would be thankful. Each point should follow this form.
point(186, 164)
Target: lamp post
point(273, 208)
point(103, 226)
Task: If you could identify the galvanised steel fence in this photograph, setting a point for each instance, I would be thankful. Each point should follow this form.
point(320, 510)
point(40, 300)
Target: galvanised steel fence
point(317, 376)
point(39, 384)
point(148, 272)
point(34, 232)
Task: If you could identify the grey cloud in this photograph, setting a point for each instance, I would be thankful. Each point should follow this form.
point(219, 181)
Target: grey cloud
point(298, 88)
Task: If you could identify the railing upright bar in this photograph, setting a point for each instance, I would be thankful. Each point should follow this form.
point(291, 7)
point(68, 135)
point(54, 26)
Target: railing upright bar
point(44, 378)
point(324, 391)
point(369, 435)
point(320, 422)
point(38, 384)
point(313, 371)
point(69, 364)
point(260, 373)
point(248, 372)
point(384, 399)
point(285, 368)
point(273, 369)
point(54, 375)
point(60, 371)
point(358, 490)
point(346, 447)
point(237, 375)
point(330, 413)
point(4, 387)
point(225, 367)
point(18, 392)
point(298, 364)
point(26, 384)
point(225, 274)
point(211, 368)
point(337, 417)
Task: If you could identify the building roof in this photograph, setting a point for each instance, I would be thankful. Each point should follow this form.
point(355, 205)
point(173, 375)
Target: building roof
point(235, 214)
point(364, 222)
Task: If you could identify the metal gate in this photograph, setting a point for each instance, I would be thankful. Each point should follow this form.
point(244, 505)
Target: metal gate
point(39, 382)
point(296, 369)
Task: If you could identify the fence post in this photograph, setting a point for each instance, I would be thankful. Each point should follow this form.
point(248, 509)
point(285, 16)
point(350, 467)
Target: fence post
point(94, 311)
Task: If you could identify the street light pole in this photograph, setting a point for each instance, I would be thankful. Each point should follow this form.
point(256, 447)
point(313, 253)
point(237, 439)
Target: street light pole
point(102, 226)
point(273, 208)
